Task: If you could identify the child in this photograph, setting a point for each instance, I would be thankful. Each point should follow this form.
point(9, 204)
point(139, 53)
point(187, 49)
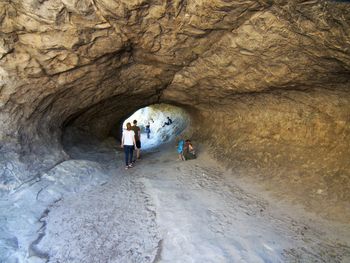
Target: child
point(188, 151)
point(180, 147)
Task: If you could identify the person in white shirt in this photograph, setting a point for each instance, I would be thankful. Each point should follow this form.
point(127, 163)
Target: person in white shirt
point(128, 143)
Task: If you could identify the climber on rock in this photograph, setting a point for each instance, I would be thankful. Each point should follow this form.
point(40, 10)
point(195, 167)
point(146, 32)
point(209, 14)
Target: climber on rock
point(168, 122)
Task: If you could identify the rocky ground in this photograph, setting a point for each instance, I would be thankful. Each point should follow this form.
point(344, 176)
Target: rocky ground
point(163, 210)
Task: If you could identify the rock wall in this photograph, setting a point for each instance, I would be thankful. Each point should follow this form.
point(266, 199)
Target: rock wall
point(296, 144)
point(267, 81)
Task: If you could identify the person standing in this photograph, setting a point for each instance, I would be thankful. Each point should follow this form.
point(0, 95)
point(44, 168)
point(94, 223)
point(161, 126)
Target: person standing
point(180, 147)
point(137, 131)
point(128, 143)
point(148, 130)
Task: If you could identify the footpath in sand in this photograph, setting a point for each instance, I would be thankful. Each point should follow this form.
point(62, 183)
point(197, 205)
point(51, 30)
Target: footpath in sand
point(166, 210)
point(90, 209)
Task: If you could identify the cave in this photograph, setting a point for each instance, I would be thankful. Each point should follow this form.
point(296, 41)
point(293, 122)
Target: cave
point(263, 91)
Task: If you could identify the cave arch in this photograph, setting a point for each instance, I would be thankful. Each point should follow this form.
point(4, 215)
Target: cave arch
point(266, 83)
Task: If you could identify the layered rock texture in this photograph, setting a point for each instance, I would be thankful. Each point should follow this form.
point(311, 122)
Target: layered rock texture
point(266, 82)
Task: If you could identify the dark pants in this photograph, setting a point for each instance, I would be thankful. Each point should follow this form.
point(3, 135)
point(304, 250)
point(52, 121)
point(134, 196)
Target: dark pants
point(128, 150)
point(189, 156)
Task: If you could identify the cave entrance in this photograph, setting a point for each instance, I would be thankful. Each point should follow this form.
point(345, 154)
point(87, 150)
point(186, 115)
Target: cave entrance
point(94, 133)
point(161, 130)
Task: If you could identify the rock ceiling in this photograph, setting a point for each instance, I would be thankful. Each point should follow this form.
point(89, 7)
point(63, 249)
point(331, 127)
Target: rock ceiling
point(266, 73)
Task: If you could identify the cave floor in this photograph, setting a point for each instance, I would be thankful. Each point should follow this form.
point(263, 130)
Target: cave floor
point(166, 210)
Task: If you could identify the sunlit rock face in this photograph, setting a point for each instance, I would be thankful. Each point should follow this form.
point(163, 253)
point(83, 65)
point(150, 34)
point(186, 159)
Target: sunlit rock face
point(267, 82)
point(160, 129)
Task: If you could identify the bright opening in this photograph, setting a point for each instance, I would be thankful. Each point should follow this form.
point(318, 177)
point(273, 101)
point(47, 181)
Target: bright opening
point(156, 128)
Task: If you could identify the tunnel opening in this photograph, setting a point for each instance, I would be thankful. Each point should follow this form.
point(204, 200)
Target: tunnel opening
point(85, 135)
point(156, 129)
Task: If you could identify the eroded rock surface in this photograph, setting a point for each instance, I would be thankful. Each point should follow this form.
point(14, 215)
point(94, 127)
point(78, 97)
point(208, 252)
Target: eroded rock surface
point(266, 82)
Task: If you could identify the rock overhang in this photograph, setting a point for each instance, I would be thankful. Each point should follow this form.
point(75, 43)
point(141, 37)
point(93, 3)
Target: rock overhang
point(270, 73)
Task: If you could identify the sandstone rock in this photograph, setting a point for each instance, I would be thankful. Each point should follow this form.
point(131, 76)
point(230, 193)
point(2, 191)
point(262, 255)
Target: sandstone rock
point(268, 81)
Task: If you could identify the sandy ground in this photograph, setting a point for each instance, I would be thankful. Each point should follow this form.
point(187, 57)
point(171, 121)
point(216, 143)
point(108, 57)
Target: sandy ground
point(166, 210)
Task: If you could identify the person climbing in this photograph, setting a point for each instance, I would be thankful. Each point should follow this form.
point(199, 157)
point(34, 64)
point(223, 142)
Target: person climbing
point(168, 122)
point(137, 131)
point(128, 143)
point(148, 130)
point(180, 146)
point(188, 151)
